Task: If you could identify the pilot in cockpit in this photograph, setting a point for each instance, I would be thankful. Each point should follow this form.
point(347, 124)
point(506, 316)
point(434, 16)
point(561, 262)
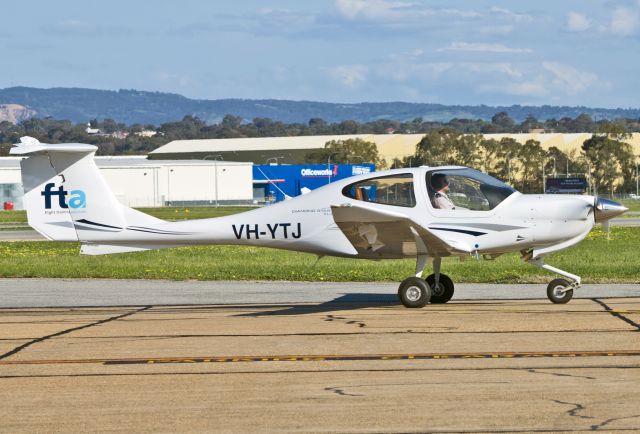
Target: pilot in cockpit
point(440, 185)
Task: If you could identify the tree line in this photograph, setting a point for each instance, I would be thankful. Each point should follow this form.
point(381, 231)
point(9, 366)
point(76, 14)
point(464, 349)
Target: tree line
point(605, 160)
point(191, 127)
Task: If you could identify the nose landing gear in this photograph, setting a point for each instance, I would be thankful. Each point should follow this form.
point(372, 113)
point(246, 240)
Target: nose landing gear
point(559, 291)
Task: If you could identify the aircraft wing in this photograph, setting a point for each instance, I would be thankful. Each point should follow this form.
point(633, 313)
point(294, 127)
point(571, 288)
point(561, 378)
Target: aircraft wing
point(377, 233)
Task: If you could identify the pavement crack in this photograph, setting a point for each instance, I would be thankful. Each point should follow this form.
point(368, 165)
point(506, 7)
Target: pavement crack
point(535, 371)
point(330, 318)
point(64, 332)
point(574, 411)
point(617, 314)
point(340, 391)
point(608, 421)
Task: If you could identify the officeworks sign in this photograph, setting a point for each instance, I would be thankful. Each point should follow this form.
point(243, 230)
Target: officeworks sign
point(315, 173)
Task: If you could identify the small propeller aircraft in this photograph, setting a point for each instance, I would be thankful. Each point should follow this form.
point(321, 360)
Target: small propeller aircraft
point(426, 213)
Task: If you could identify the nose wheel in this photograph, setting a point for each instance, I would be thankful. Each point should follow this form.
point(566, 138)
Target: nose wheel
point(560, 291)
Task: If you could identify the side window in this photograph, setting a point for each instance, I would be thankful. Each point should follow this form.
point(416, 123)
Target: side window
point(394, 190)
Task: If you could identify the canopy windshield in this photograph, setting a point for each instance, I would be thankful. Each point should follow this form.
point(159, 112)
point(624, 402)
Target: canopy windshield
point(467, 189)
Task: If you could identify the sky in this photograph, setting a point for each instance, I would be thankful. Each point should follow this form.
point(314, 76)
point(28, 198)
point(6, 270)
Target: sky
point(558, 52)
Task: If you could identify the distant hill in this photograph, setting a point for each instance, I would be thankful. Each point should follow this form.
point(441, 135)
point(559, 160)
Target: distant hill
point(132, 106)
point(15, 113)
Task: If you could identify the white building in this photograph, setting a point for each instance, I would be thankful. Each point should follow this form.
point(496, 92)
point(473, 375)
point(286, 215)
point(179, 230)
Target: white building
point(138, 182)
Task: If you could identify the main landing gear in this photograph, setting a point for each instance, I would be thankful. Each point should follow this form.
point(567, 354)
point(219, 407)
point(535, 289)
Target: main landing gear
point(559, 291)
point(417, 292)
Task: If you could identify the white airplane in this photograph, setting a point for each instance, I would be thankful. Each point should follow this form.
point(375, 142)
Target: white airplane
point(381, 215)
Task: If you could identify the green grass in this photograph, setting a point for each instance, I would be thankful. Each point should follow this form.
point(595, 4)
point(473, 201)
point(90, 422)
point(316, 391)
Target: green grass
point(596, 259)
point(632, 204)
point(12, 217)
point(188, 213)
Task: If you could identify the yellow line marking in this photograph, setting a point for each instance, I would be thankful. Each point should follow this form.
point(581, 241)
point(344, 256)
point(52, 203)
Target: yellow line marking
point(333, 357)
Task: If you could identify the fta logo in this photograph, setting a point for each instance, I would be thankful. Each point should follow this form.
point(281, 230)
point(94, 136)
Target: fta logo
point(77, 198)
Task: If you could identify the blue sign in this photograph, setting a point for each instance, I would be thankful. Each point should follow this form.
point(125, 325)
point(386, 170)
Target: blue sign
point(290, 180)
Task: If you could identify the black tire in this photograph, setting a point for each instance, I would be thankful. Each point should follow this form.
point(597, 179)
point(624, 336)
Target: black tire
point(414, 292)
point(555, 296)
point(443, 292)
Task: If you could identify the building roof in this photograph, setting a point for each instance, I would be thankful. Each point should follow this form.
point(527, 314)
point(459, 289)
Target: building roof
point(389, 145)
point(252, 144)
point(132, 161)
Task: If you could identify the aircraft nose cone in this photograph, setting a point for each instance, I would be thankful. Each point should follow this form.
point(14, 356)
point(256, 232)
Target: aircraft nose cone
point(606, 209)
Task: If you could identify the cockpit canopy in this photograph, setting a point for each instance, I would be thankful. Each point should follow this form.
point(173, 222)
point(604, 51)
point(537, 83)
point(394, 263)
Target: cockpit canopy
point(467, 189)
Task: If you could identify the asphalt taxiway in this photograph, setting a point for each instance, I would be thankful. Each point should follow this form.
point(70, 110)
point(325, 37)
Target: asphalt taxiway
point(347, 359)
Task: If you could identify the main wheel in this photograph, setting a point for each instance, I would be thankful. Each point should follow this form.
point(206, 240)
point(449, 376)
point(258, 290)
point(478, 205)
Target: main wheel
point(443, 292)
point(556, 291)
point(414, 292)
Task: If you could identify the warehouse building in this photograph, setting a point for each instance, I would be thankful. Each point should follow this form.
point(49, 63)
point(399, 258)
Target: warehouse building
point(292, 150)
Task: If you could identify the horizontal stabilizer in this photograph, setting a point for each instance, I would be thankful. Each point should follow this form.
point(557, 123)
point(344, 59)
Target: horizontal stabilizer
point(29, 145)
point(107, 249)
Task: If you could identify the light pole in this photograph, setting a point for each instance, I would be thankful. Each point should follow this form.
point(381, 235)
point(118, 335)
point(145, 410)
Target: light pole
point(215, 173)
point(637, 193)
point(590, 190)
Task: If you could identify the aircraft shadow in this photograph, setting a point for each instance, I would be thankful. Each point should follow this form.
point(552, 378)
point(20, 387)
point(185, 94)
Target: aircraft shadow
point(344, 302)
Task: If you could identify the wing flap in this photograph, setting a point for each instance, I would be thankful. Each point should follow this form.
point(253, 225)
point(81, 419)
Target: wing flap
point(382, 234)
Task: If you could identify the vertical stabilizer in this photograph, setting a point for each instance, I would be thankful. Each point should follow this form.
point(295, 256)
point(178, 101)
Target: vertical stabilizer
point(66, 197)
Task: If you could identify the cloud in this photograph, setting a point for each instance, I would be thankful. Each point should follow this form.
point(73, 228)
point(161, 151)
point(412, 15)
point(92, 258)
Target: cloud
point(386, 10)
point(624, 21)
point(497, 30)
point(72, 27)
point(482, 47)
point(511, 16)
point(578, 22)
point(488, 68)
point(373, 9)
point(572, 80)
point(350, 76)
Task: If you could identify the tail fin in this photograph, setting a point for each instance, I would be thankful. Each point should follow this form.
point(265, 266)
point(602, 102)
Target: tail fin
point(64, 192)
